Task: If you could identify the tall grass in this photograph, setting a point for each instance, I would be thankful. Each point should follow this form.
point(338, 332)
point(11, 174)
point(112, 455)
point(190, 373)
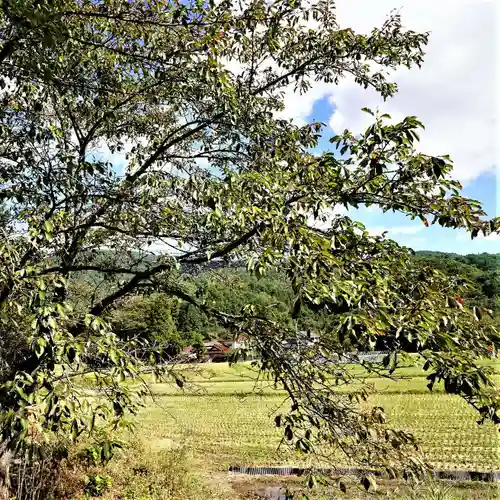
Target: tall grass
point(139, 473)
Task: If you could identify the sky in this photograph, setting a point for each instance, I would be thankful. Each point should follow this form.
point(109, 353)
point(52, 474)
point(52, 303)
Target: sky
point(453, 94)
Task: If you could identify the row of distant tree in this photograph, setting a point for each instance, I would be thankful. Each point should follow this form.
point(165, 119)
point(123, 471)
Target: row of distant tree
point(175, 324)
point(160, 318)
point(482, 271)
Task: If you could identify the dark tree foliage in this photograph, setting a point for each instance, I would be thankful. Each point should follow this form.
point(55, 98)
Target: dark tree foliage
point(482, 271)
point(234, 288)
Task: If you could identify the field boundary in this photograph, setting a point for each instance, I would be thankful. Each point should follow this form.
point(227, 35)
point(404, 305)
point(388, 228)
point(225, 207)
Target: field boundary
point(456, 475)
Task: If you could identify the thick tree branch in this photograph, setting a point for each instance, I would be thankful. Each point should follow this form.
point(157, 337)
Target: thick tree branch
point(143, 275)
point(225, 250)
point(103, 304)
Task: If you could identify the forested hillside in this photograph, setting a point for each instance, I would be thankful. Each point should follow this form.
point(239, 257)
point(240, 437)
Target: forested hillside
point(481, 270)
point(164, 319)
point(175, 323)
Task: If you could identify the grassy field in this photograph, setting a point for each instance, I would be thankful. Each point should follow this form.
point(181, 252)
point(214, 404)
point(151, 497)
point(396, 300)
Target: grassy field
point(227, 420)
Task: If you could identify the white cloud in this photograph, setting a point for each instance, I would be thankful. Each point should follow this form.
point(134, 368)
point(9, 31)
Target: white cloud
point(490, 237)
point(462, 236)
point(326, 217)
point(406, 229)
point(101, 152)
point(391, 231)
point(453, 93)
point(299, 107)
point(376, 231)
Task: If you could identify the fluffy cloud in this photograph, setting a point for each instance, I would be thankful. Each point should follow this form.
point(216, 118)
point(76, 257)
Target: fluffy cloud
point(299, 107)
point(480, 237)
point(453, 93)
point(490, 237)
point(396, 230)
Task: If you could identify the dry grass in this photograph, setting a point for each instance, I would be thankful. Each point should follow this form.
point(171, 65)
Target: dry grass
point(185, 441)
point(249, 488)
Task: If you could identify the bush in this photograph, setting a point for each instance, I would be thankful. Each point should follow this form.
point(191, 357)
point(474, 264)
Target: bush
point(96, 485)
point(143, 474)
point(101, 451)
point(139, 473)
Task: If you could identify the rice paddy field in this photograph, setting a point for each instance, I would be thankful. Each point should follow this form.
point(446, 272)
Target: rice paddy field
point(226, 419)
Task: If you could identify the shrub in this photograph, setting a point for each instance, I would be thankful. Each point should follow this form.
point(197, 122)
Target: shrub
point(101, 451)
point(96, 485)
point(147, 474)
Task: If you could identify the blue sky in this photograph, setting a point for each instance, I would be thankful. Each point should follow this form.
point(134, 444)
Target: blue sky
point(454, 94)
point(414, 234)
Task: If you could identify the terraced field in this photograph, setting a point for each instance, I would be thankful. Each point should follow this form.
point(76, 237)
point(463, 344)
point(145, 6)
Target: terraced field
point(229, 421)
point(226, 418)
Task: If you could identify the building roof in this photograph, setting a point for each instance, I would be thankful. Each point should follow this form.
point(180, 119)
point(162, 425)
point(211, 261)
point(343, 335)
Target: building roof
point(216, 346)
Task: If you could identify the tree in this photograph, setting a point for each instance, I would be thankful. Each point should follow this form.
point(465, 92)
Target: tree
point(232, 289)
point(149, 318)
point(172, 86)
point(480, 271)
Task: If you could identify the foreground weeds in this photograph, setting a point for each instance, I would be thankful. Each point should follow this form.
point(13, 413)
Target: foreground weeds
point(137, 473)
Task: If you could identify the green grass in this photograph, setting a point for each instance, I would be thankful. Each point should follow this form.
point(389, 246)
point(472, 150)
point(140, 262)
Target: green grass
point(226, 418)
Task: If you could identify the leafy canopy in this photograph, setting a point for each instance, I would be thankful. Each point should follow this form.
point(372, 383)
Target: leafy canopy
point(186, 97)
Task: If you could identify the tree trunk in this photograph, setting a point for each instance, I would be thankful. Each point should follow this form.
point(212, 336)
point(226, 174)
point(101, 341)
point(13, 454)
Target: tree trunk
point(5, 462)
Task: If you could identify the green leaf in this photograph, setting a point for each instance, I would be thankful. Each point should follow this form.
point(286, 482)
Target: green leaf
point(113, 355)
point(41, 343)
point(49, 226)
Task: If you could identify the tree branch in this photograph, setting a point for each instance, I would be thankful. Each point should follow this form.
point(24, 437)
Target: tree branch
point(227, 249)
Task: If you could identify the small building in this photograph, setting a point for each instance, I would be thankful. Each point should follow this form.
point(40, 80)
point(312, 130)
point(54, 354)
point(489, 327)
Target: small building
point(216, 351)
point(240, 342)
point(301, 340)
